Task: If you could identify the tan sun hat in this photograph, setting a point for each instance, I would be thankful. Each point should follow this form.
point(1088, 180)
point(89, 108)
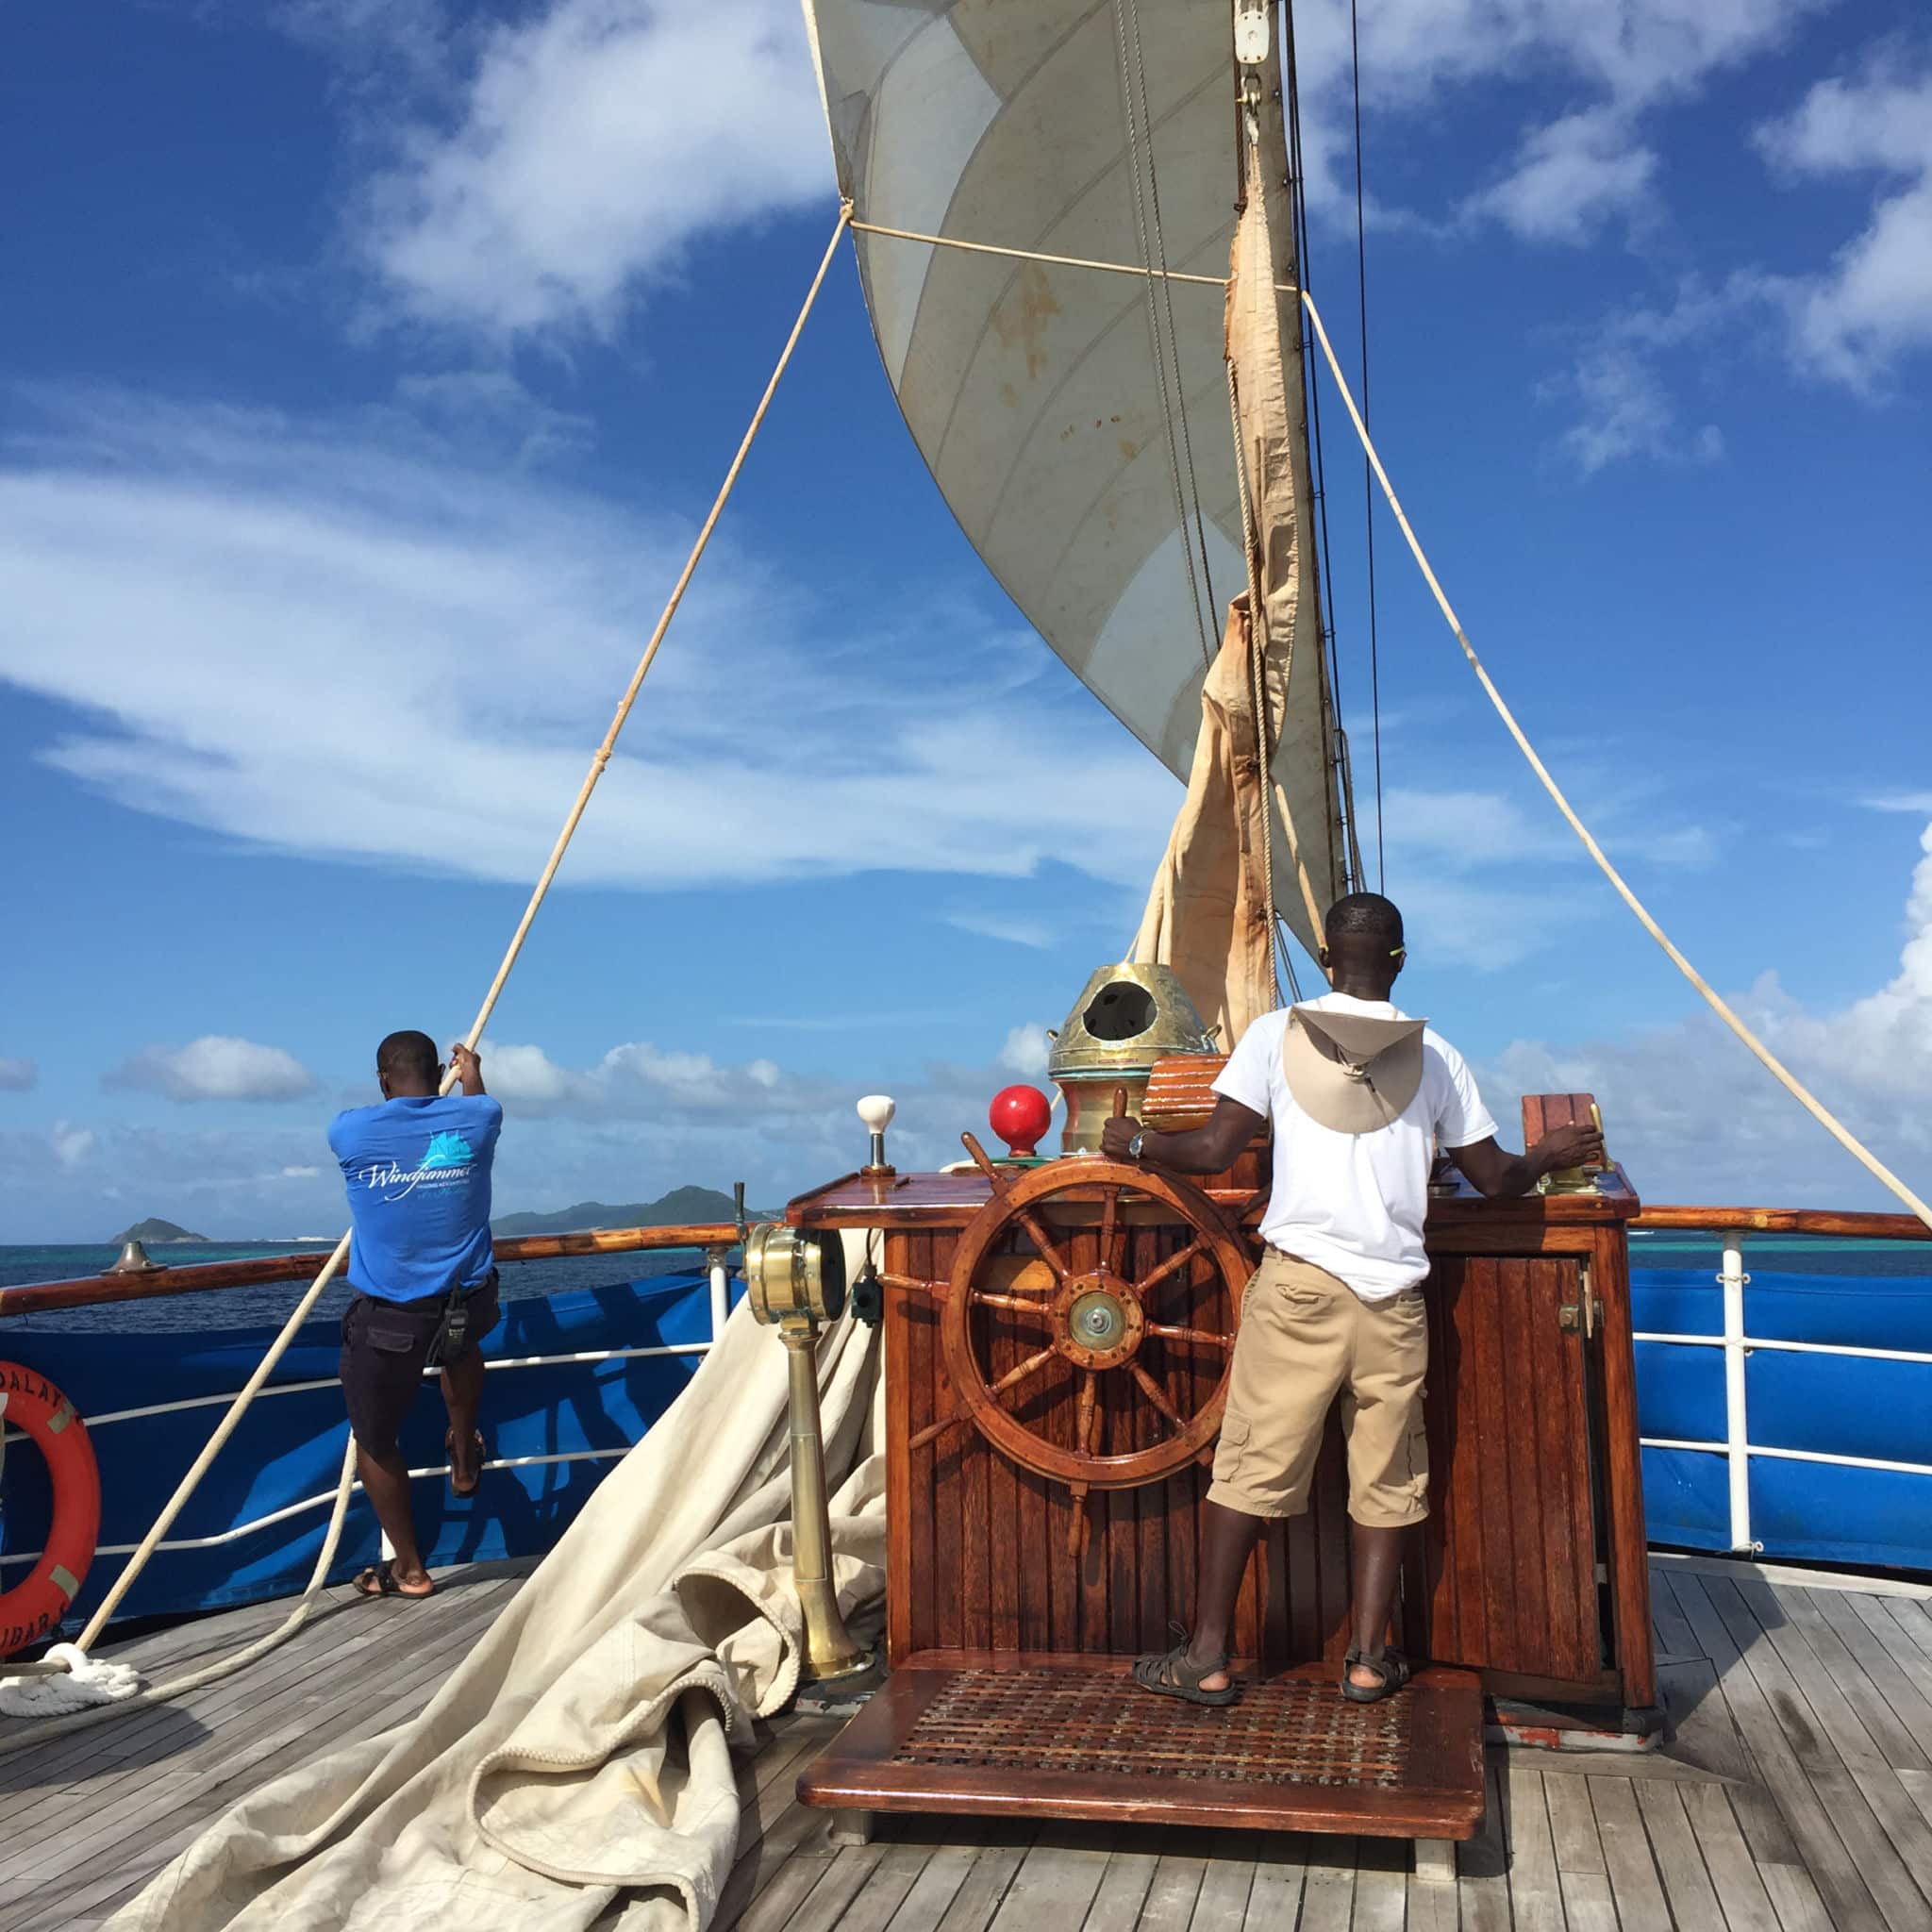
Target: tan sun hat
point(1351, 1071)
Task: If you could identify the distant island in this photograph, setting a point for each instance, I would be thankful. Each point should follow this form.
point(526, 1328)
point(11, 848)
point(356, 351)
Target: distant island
point(680, 1207)
point(154, 1229)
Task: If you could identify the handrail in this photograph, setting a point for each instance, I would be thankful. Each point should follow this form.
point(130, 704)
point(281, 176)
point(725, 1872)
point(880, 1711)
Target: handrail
point(1894, 1228)
point(92, 1291)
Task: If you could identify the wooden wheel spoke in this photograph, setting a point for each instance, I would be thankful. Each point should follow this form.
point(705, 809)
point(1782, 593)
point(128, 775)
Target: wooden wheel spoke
point(1156, 1395)
point(938, 1429)
point(1171, 1266)
point(1206, 1337)
point(1017, 1304)
point(1107, 1216)
point(1083, 1427)
point(984, 1163)
point(915, 1284)
point(1013, 1377)
point(1049, 1249)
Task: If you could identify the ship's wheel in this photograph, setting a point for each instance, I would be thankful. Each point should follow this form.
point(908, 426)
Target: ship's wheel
point(1095, 1320)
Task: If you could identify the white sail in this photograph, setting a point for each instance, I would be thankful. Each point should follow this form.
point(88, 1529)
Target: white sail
point(1076, 422)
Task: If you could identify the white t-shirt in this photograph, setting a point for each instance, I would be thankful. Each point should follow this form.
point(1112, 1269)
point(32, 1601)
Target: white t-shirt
point(1354, 1202)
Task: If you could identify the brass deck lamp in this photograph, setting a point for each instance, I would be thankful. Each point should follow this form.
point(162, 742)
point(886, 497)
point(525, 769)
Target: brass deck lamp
point(795, 1282)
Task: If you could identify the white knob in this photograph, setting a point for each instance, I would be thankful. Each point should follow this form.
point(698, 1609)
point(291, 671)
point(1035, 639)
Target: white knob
point(876, 1110)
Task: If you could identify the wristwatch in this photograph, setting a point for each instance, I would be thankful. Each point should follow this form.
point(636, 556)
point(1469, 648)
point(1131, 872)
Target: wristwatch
point(1135, 1144)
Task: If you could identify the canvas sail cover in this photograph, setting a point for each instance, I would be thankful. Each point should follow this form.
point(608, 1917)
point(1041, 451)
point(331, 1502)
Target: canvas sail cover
point(1076, 422)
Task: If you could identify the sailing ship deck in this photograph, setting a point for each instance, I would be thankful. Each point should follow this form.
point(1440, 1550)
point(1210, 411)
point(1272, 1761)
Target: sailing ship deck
point(1795, 1796)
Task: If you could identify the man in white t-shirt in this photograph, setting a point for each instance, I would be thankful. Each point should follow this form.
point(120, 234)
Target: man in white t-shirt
point(1358, 1095)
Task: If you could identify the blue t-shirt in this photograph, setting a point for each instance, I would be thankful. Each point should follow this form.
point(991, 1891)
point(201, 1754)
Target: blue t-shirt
point(418, 1174)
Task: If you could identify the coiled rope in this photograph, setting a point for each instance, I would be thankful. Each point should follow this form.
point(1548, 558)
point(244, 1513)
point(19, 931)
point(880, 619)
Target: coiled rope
point(209, 1673)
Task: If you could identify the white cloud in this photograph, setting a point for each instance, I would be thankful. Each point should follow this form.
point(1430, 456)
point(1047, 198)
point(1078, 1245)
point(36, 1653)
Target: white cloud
point(1025, 1051)
point(1854, 321)
point(324, 645)
point(216, 1067)
point(1918, 804)
point(997, 925)
point(639, 1079)
point(587, 147)
point(1570, 176)
point(18, 1077)
point(1625, 59)
point(1695, 1118)
point(71, 1145)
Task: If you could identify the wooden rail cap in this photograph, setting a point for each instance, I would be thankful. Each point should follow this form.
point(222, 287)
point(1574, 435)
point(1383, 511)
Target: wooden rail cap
point(95, 1290)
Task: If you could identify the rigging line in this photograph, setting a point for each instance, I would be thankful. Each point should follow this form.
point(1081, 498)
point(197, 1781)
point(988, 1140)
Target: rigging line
point(1154, 335)
point(599, 762)
point(1180, 386)
point(1311, 403)
point(1361, 282)
point(1783, 1074)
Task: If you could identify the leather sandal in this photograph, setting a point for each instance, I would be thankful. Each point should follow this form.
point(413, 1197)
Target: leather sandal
point(1170, 1674)
point(1391, 1667)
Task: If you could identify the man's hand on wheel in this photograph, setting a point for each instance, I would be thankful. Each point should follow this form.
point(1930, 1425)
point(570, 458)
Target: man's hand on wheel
point(1115, 1135)
point(1573, 1147)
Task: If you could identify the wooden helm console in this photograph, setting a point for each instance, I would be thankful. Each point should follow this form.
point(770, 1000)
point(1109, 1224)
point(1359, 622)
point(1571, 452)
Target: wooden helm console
point(1057, 1340)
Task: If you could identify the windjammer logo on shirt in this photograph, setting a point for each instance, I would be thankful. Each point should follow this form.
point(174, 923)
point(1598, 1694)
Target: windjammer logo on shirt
point(446, 1162)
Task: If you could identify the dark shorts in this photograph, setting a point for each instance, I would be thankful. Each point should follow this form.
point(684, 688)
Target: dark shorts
point(384, 1350)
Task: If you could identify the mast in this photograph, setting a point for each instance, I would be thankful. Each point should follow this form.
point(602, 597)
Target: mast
point(1265, 356)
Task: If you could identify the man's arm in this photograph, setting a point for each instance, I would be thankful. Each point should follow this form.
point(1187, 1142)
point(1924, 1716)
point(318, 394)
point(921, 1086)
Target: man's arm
point(1493, 1171)
point(468, 1069)
point(1209, 1149)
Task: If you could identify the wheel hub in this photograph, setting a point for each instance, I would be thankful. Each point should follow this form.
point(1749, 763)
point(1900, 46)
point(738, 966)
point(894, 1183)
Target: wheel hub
point(1097, 1321)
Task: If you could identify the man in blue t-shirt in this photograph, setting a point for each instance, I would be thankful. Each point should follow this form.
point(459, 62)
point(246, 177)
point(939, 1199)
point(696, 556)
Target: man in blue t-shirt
point(417, 1168)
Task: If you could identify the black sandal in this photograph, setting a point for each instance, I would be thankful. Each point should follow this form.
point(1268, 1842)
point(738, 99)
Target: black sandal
point(1391, 1667)
point(1170, 1674)
point(449, 1443)
point(383, 1576)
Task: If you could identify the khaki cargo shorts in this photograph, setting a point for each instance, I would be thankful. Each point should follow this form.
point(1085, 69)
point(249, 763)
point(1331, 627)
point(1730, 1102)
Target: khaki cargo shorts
point(1303, 1337)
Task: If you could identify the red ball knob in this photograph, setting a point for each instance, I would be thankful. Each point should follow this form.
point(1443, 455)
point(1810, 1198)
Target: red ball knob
point(1019, 1115)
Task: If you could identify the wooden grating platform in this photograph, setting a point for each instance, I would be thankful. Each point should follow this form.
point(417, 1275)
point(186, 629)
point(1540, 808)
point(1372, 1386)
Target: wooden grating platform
point(1081, 1741)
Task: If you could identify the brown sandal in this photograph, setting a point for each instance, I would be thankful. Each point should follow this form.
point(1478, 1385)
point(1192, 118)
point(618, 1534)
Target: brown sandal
point(1170, 1674)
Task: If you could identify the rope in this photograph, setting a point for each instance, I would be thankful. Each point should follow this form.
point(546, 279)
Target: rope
point(1362, 278)
point(1716, 1002)
point(1155, 339)
point(279, 1345)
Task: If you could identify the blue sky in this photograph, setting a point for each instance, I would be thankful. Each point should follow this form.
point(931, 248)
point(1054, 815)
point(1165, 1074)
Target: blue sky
point(363, 369)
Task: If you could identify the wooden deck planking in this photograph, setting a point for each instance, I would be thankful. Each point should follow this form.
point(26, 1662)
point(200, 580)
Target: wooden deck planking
point(1795, 1796)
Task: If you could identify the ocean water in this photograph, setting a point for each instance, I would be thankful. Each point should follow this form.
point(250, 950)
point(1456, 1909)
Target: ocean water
point(260, 1306)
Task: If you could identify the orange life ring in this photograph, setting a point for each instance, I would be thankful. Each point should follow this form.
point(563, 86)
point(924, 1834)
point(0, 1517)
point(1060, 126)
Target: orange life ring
point(32, 1610)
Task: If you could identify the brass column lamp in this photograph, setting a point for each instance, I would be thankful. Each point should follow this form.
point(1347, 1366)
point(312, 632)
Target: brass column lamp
point(795, 1282)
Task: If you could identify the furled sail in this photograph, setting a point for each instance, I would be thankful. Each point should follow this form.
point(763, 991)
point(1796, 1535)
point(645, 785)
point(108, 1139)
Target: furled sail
point(1077, 423)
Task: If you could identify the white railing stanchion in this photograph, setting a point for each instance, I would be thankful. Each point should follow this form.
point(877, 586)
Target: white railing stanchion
point(720, 1290)
point(1736, 1420)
